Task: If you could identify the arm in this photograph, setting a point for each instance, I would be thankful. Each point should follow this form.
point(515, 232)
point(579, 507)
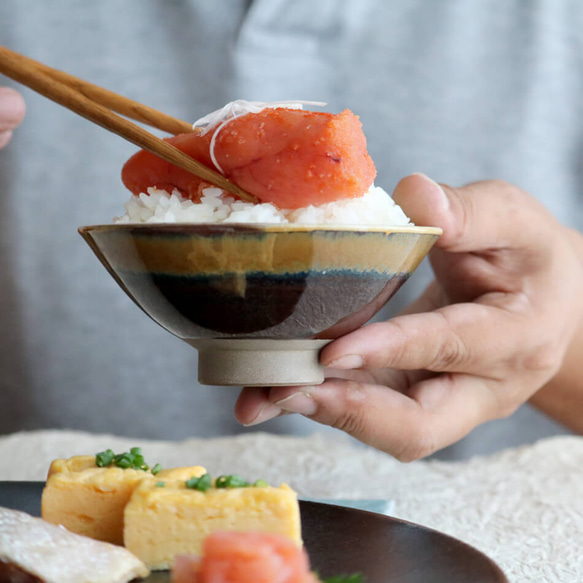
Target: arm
point(562, 397)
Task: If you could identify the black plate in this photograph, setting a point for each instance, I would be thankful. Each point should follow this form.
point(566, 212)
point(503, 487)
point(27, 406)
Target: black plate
point(344, 540)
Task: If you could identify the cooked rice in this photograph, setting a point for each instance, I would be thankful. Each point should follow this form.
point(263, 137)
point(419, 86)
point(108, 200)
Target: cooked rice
point(375, 207)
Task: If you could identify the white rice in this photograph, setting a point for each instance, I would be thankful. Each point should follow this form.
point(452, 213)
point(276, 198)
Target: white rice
point(375, 207)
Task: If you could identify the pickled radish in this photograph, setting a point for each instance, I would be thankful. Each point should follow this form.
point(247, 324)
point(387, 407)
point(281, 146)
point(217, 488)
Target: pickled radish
point(289, 157)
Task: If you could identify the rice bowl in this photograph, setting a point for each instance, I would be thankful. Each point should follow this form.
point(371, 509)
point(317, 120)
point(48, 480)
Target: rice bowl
point(258, 288)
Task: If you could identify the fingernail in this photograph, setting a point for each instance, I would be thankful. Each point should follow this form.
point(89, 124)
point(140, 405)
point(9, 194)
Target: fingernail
point(268, 411)
point(444, 198)
point(12, 108)
point(347, 362)
point(301, 403)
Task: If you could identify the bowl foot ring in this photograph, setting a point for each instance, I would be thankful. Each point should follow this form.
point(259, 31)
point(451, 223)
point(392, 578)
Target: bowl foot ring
point(259, 362)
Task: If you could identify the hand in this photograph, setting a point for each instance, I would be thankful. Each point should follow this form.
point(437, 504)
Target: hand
point(488, 332)
point(12, 110)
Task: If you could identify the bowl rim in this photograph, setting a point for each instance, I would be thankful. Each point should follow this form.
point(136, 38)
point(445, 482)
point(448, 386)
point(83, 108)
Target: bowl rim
point(264, 227)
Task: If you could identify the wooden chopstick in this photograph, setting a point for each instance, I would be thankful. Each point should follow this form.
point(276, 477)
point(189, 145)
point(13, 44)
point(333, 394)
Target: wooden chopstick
point(119, 103)
point(25, 71)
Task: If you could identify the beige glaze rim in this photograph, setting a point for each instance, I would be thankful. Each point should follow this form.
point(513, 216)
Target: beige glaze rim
point(268, 227)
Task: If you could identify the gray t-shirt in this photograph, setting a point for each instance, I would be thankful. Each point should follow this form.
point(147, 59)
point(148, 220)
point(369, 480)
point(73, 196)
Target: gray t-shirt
point(461, 90)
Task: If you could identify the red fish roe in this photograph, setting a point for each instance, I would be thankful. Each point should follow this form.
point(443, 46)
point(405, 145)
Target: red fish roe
point(289, 157)
point(245, 557)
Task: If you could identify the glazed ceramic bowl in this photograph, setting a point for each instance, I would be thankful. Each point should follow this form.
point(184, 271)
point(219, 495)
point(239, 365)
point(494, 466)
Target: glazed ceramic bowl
point(259, 302)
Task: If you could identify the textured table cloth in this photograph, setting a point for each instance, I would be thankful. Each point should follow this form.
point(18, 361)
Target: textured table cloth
point(522, 507)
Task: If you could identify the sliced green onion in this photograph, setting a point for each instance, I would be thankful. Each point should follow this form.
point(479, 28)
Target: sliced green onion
point(232, 481)
point(221, 482)
point(261, 484)
point(202, 483)
point(354, 578)
point(156, 469)
point(123, 460)
point(132, 459)
point(235, 481)
point(160, 484)
point(205, 482)
point(104, 458)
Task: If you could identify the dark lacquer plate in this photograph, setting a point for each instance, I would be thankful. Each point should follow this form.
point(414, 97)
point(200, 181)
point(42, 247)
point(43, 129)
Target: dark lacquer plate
point(344, 540)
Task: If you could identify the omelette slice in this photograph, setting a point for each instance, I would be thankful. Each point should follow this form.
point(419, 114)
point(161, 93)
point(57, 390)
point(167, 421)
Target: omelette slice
point(166, 519)
point(90, 500)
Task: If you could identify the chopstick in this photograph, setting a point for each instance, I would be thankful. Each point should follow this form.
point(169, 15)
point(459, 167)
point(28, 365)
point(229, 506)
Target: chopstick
point(119, 103)
point(84, 99)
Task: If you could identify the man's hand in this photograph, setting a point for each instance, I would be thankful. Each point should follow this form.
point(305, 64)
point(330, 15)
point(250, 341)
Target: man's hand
point(489, 331)
point(12, 110)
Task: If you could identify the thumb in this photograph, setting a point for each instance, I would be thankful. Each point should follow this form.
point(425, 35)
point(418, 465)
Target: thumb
point(482, 215)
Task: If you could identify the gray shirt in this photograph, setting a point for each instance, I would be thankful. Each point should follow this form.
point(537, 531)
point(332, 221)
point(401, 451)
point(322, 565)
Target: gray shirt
point(461, 90)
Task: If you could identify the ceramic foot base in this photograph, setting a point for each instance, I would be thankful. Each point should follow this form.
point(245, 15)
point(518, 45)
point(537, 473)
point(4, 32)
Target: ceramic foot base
point(259, 363)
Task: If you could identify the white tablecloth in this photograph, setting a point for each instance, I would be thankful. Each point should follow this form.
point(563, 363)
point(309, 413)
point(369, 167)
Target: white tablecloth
point(522, 507)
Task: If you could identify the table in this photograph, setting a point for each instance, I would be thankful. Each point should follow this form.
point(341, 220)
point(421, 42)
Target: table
point(523, 507)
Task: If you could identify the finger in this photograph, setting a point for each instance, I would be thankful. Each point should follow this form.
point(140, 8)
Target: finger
point(12, 109)
point(438, 412)
point(398, 380)
point(456, 338)
point(253, 406)
point(5, 137)
point(475, 217)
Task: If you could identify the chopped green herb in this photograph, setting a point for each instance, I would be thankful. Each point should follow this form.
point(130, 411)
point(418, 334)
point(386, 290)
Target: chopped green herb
point(132, 459)
point(104, 458)
point(123, 460)
point(203, 483)
point(354, 578)
point(156, 469)
point(160, 484)
point(232, 481)
point(261, 484)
